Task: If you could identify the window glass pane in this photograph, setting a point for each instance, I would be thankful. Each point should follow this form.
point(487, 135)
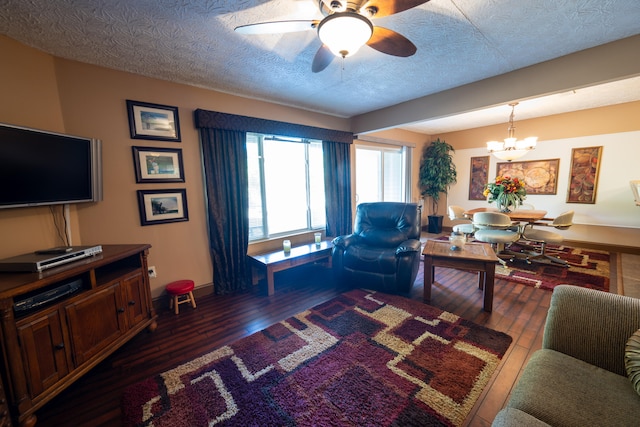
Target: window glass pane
point(393, 176)
point(368, 175)
point(381, 174)
point(286, 185)
point(256, 229)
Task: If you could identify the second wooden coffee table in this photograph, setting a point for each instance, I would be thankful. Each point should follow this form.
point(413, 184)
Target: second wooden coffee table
point(275, 261)
point(475, 256)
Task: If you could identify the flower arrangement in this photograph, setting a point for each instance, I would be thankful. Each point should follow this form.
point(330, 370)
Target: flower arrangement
point(507, 192)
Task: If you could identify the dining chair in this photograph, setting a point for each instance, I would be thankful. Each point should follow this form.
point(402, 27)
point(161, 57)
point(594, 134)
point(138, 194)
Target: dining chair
point(456, 213)
point(496, 228)
point(526, 207)
point(543, 237)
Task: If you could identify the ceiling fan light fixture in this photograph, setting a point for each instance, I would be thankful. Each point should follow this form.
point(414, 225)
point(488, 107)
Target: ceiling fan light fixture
point(345, 32)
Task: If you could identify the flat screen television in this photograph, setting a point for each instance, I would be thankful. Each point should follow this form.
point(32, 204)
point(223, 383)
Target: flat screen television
point(46, 168)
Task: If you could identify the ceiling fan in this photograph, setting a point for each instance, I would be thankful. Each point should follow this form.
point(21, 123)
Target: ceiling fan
point(346, 27)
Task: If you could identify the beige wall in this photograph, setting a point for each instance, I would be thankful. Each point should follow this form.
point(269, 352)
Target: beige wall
point(29, 98)
point(79, 99)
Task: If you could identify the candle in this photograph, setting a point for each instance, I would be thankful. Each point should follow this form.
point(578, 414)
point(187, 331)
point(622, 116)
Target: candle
point(317, 237)
point(286, 245)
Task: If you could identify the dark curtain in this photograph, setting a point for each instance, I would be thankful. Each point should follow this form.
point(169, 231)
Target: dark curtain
point(226, 181)
point(337, 187)
point(223, 139)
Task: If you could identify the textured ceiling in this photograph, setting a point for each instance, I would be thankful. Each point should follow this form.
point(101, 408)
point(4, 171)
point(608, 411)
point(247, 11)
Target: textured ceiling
point(193, 42)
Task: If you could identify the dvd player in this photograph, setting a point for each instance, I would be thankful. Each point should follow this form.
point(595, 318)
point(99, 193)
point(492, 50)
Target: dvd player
point(25, 303)
point(48, 258)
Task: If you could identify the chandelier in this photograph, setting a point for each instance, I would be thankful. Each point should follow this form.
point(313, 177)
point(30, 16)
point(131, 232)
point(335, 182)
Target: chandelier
point(345, 32)
point(511, 148)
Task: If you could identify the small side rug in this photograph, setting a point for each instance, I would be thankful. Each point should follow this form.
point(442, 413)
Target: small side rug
point(362, 358)
point(588, 268)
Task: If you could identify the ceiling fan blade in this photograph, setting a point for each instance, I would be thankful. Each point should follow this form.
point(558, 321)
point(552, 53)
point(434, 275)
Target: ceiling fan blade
point(277, 27)
point(389, 42)
point(389, 7)
point(322, 59)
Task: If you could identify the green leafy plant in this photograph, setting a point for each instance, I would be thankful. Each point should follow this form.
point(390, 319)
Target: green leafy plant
point(437, 171)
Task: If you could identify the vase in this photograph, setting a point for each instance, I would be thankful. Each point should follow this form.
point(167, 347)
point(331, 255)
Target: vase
point(506, 202)
point(506, 208)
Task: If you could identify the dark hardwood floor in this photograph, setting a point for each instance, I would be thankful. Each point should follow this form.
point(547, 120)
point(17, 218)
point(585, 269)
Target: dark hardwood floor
point(94, 400)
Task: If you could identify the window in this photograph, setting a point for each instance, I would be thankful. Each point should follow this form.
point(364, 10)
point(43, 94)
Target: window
point(286, 185)
point(381, 174)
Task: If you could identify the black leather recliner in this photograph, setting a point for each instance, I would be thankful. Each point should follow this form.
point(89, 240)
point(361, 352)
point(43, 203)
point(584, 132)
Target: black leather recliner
point(383, 253)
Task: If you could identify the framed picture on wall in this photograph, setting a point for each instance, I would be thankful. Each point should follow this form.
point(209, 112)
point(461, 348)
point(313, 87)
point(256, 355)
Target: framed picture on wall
point(162, 206)
point(583, 179)
point(157, 164)
point(539, 176)
point(153, 121)
point(479, 177)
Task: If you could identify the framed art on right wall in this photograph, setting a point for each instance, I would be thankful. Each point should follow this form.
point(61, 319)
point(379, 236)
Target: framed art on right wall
point(583, 177)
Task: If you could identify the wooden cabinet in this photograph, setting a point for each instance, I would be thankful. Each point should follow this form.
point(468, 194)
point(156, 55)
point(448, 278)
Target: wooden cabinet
point(43, 350)
point(47, 348)
point(88, 336)
point(5, 417)
point(136, 303)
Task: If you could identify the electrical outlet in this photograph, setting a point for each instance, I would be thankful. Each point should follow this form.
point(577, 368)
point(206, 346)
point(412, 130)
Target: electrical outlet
point(152, 271)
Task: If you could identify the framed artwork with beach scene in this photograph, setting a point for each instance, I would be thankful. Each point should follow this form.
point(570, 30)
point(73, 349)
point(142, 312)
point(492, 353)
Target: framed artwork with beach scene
point(162, 206)
point(157, 164)
point(153, 121)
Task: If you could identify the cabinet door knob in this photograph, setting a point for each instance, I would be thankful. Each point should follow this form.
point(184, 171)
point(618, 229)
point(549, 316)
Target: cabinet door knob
point(60, 346)
point(132, 302)
point(121, 310)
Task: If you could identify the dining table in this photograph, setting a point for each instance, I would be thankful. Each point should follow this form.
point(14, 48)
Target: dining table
point(523, 215)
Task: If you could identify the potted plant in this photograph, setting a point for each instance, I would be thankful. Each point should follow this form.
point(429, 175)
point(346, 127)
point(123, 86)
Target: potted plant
point(437, 173)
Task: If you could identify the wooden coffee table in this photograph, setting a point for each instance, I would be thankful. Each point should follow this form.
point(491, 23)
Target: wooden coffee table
point(475, 256)
point(272, 262)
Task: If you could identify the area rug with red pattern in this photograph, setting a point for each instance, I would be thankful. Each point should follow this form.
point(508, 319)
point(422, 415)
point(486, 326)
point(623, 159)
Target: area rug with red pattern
point(588, 268)
point(362, 358)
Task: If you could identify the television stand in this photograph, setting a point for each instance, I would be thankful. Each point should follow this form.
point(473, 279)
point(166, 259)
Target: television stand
point(83, 312)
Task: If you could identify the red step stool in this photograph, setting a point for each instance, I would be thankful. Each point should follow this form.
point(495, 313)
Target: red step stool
point(178, 289)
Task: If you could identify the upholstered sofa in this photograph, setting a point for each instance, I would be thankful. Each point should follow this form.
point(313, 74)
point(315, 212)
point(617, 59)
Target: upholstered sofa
point(579, 378)
point(383, 252)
